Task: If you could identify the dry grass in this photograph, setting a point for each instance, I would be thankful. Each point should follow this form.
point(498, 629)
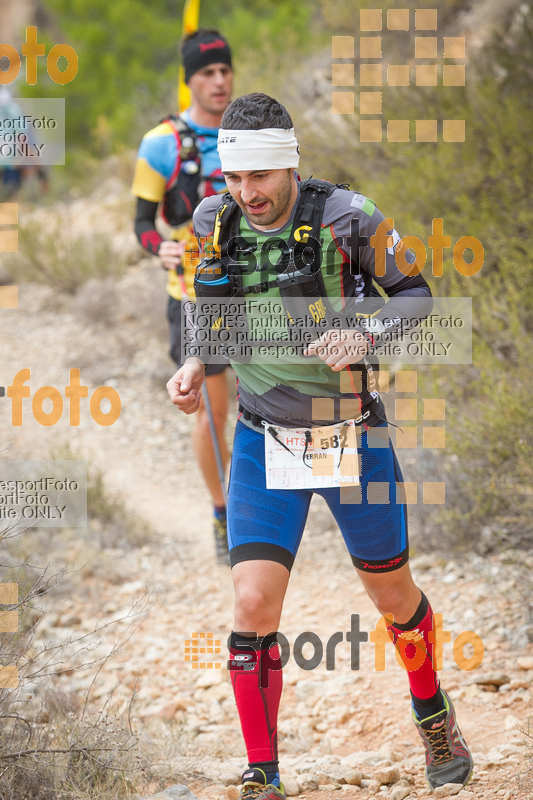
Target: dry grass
point(52, 254)
point(55, 742)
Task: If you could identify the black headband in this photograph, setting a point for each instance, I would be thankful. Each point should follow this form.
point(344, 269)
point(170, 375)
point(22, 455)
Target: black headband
point(202, 50)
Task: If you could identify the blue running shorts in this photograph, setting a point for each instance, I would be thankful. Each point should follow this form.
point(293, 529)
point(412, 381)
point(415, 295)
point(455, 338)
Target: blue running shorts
point(268, 523)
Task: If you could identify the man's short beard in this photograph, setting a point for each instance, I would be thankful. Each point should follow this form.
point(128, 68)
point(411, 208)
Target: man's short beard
point(279, 208)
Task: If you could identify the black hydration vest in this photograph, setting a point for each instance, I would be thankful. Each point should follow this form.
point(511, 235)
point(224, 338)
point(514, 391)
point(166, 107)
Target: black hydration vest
point(298, 270)
point(182, 194)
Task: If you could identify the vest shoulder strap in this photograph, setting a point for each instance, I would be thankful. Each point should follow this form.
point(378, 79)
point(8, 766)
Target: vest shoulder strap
point(227, 224)
point(185, 142)
point(179, 124)
point(310, 210)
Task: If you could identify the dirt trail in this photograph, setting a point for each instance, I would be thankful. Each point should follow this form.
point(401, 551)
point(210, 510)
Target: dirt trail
point(146, 459)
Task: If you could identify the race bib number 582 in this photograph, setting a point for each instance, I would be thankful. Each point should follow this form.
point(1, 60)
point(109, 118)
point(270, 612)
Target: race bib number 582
point(314, 458)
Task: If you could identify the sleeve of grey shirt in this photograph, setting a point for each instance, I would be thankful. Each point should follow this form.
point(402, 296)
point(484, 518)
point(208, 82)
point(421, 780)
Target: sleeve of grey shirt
point(364, 234)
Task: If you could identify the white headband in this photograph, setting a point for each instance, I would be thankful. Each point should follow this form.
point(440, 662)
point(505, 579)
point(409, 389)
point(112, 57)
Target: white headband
point(269, 148)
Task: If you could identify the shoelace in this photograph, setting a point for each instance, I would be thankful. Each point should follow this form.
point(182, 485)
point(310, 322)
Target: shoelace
point(440, 746)
point(251, 790)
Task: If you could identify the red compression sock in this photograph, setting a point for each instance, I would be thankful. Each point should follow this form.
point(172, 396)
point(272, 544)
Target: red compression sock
point(411, 638)
point(256, 676)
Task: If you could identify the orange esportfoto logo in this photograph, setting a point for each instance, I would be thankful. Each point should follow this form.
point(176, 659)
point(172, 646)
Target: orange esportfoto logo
point(409, 648)
point(202, 644)
point(74, 392)
point(32, 50)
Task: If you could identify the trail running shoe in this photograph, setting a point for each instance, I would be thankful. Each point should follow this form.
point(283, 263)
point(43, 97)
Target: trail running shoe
point(255, 787)
point(221, 540)
point(448, 759)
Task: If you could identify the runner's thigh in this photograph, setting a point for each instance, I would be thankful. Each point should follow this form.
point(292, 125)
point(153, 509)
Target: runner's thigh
point(373, 516)
point(262, 523)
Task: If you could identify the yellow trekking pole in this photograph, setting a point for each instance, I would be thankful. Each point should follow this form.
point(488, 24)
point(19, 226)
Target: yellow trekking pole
point(191, 18)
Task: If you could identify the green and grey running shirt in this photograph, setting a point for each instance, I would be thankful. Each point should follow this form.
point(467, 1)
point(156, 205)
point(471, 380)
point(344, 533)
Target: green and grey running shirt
point(291, 391)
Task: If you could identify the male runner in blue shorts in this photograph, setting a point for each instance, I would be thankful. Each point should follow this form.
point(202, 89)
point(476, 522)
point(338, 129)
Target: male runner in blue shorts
point(259, 154)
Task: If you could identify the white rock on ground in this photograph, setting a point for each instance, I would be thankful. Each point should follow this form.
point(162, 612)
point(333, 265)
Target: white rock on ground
point(334, 773)
point(290, 784)
point(352, 777)
point(371, 785)
point(307, 781)
point(176, 792)
point(448, 790)
point(399, 792)
point(387, 774)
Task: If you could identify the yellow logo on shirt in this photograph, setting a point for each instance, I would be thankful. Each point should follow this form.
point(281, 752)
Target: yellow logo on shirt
point(302, 237)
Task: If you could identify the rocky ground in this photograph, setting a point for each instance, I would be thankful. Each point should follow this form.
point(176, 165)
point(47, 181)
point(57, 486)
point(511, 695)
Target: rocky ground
point(341, 731)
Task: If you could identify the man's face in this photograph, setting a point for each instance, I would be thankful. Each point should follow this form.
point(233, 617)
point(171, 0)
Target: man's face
point(265, 196)
point(211, 87)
